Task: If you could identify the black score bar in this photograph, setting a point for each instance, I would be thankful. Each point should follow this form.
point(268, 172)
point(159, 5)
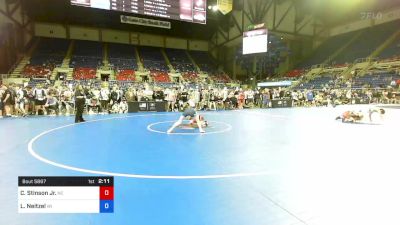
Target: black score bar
point(65, 181)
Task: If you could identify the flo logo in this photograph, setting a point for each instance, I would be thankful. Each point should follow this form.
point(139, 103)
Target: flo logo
point(371, 15)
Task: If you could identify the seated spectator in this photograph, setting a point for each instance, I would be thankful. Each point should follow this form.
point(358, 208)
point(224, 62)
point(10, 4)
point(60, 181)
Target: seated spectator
point(51, 105)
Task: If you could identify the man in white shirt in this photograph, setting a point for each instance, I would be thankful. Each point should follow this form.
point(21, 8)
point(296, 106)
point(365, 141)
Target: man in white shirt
point(20, 101)
point(171, 98)
point(250, 97)
point(104, 97)
point(67, 101)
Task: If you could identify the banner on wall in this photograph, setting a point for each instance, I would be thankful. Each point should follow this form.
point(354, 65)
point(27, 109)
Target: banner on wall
point(225, 6)
point(145, 22)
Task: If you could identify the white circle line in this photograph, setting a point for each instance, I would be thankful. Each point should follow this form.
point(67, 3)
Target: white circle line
point(142, 176)
point(228, 128)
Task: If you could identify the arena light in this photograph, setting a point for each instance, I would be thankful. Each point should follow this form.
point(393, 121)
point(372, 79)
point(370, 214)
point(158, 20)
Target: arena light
point(199, 3)
point(215, 8)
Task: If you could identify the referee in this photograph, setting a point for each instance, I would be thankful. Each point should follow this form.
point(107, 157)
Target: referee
point(79, 103)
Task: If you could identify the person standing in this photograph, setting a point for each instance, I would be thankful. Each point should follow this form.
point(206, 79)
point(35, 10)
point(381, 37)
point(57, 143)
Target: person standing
point(130, 95)
point(171, 98)
point(20, 101)
point(1, 100)
point(79, 103)
point(104, 98)
point(40, 98)
point(266, 98)
point(241, 99)
point(6, 99)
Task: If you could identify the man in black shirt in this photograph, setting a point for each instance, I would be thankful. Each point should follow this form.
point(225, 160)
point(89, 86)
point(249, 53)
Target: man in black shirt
point(1, 101)
point(6, 100)
point(79, 103)
point(183, 98)
point(158, 95)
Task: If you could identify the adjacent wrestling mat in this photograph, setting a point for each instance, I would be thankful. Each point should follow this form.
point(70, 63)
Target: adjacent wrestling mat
point(273, 167)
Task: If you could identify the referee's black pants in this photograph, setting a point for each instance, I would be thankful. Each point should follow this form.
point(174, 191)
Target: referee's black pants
point(80, 105)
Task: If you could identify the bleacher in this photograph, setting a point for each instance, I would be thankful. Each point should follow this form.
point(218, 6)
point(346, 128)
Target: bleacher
point(87, 54)
point(152, 59)
point(179, 60)
point(325, 80)
point(376, 80)
point(367, 43)
point(392, 50)
point(126, 75)
point(32, 71)
point(49, 53)
point(123, 84)
point(122, 57)
point(97, 83)
point(326, 49)
point(295, 73)
point(220, 78)
point(36, 82)
point(190, 77)
point(204, 61)
point(87, 57)
point(84, 73)
point(160, 76)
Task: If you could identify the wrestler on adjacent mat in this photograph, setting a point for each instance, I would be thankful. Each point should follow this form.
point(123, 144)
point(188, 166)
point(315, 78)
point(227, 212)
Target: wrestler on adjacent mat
point(354, 117)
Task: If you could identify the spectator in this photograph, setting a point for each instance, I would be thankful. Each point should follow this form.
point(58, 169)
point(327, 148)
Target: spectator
point(1, 100)
point(40, 99)
point(104, 97)
point(20, 101)
point(266, 98)
point(6, 99)
point(51, 105)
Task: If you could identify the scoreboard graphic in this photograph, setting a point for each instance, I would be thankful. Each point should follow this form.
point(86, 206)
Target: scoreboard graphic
point(65, 194)
point(184, 10)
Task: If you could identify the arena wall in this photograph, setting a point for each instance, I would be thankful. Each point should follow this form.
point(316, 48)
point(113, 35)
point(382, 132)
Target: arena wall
point(375, 19)
point(151, 40)
point(176, 43)
point(353, 26)
point(134, 38)
point(50, 30)
point(389, 16)
point(197, 45)
point(54, 30)
point(288, 22)
point(115, 36)
point(16, 33)
point(284, 23)
point(22, 36)
point(84, 33)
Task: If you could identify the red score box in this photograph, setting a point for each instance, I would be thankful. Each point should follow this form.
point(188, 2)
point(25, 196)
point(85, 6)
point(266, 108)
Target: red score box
point(106, 193)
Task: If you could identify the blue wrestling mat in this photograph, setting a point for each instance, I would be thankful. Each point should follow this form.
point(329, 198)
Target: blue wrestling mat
point(272, 167)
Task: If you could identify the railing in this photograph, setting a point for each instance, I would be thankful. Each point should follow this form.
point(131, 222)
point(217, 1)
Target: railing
point(362, 60)
point(3, 76)
point(15, 65)
point(318, 66)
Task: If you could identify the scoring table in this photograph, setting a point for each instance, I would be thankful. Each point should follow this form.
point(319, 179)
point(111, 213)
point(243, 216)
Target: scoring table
point(65, 194)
